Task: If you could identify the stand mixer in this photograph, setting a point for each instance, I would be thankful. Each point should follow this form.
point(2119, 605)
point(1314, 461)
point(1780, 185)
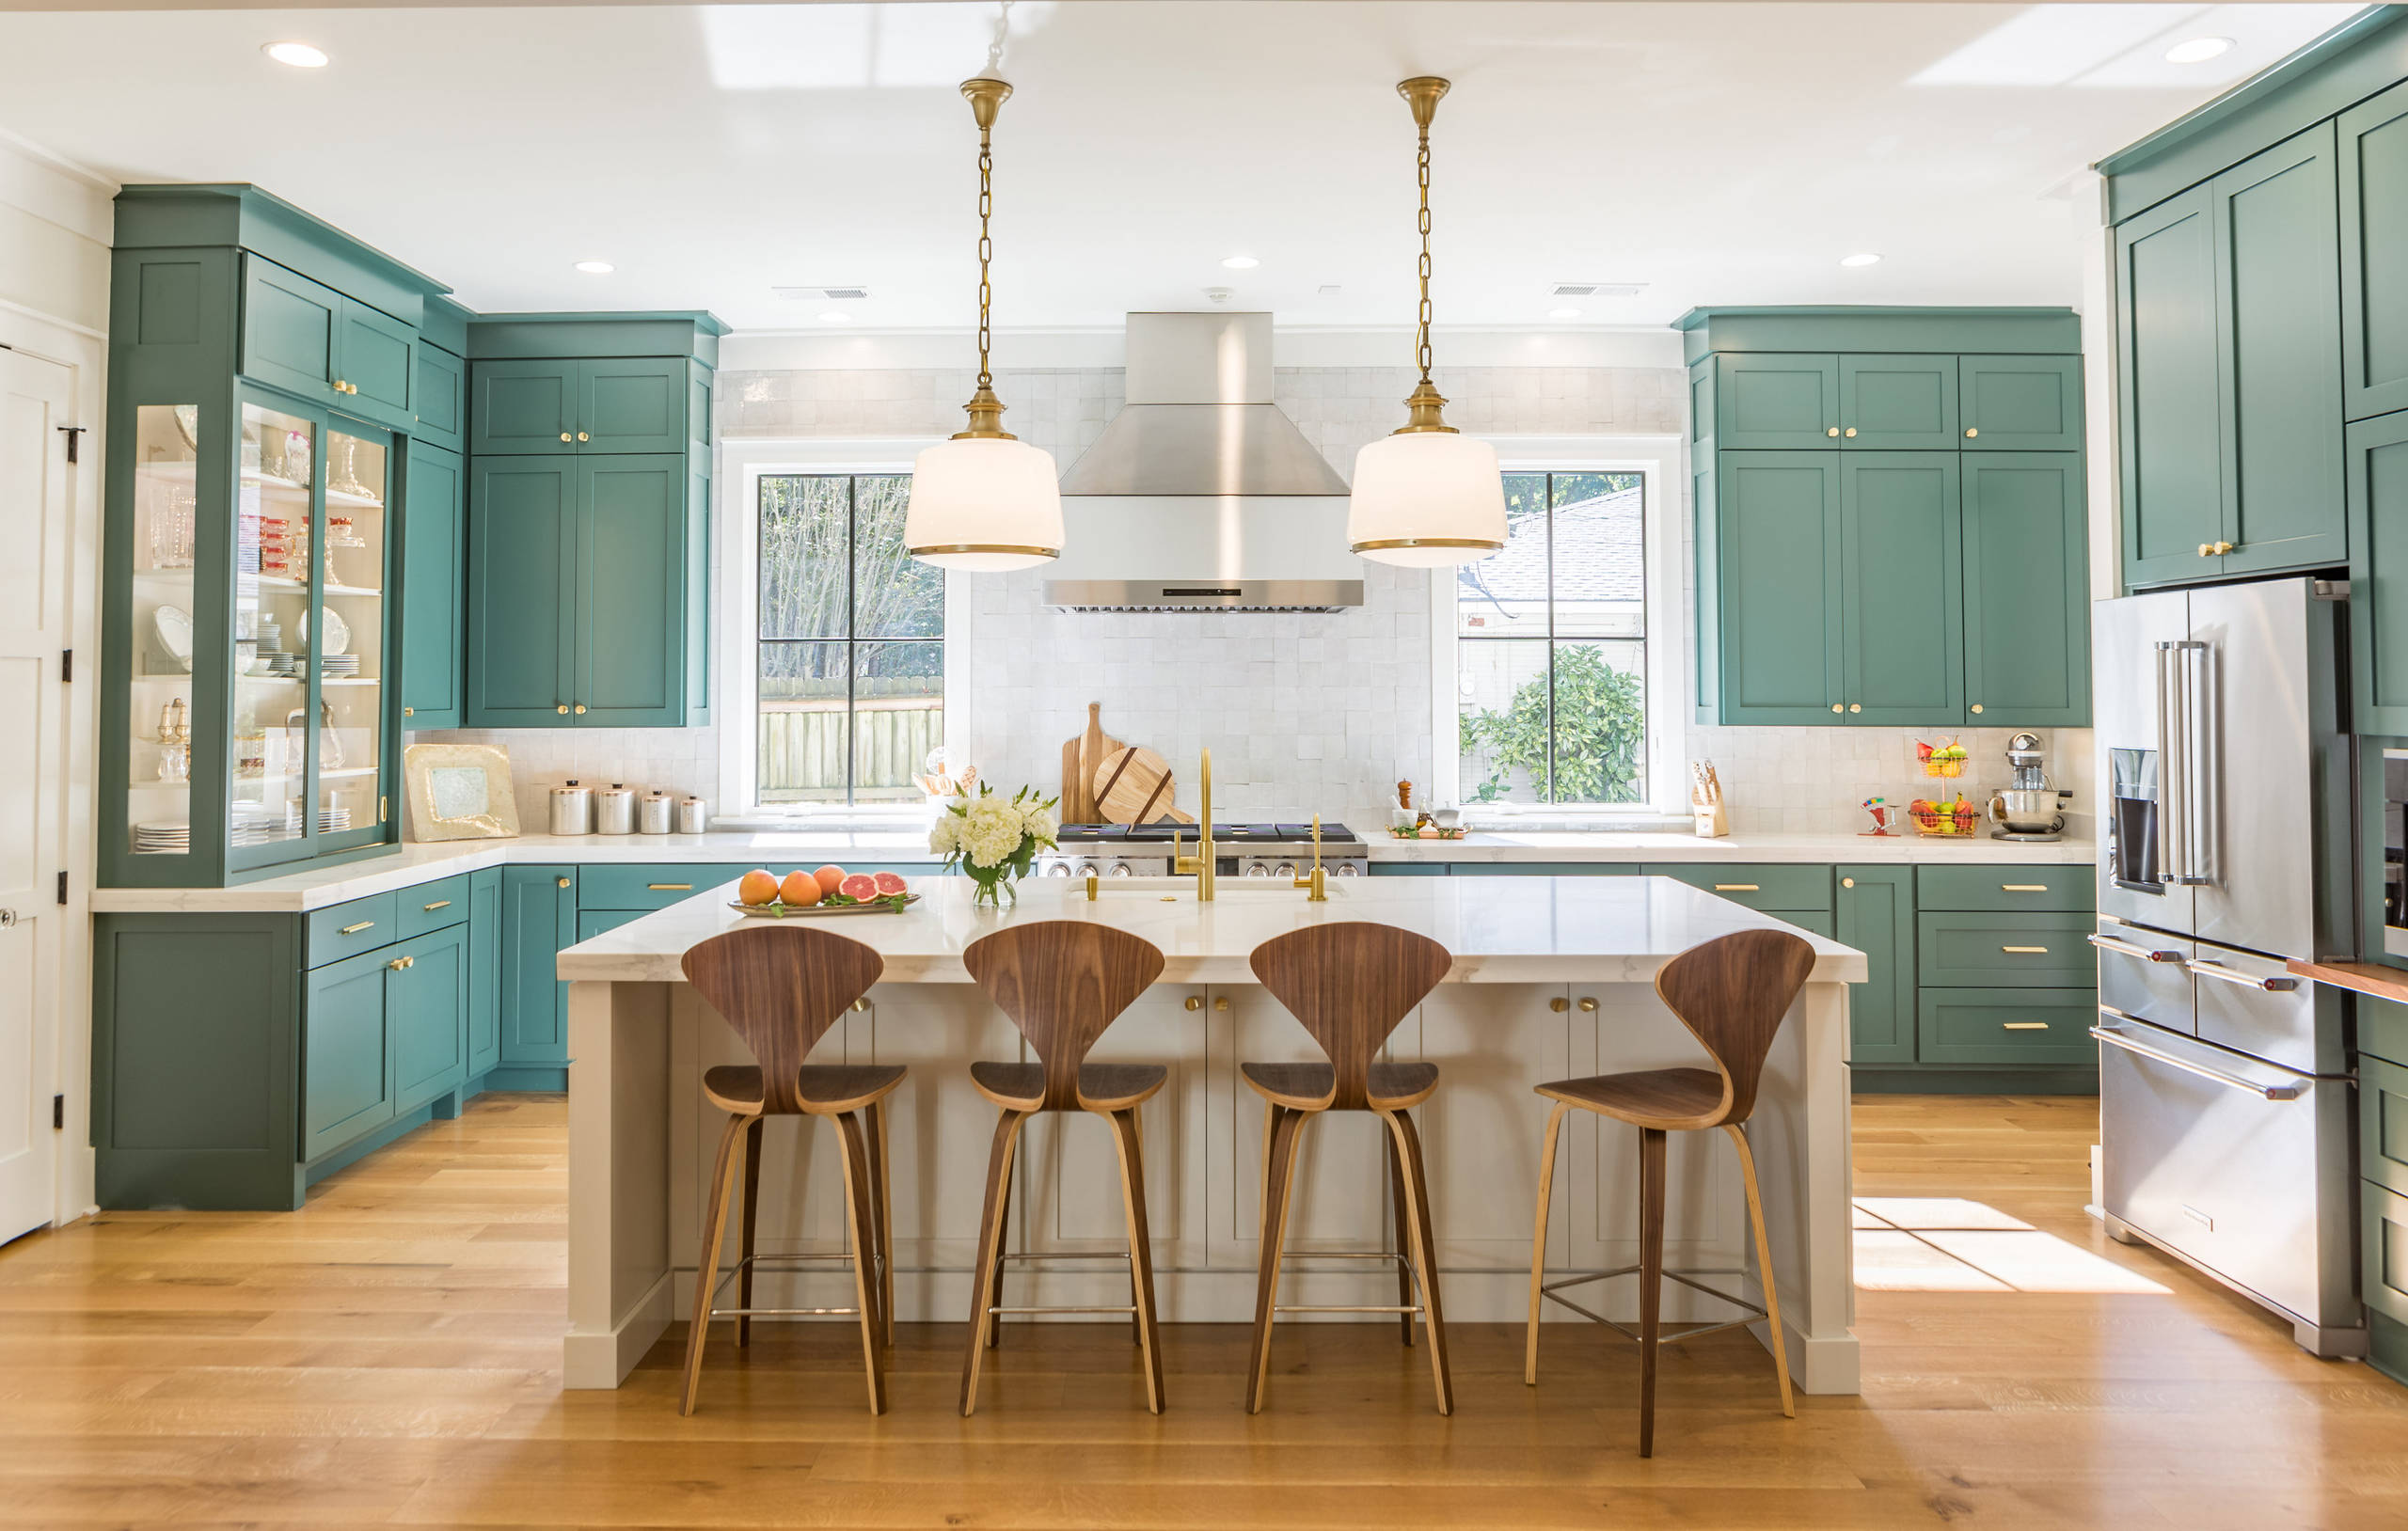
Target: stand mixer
point(2029, 807)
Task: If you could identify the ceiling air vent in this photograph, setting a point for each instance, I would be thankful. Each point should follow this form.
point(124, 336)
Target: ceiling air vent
point(820, 295)
point(1597, 290)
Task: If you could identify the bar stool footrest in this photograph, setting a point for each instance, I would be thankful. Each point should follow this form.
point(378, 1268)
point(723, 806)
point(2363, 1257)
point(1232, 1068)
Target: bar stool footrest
point(1754, 1311)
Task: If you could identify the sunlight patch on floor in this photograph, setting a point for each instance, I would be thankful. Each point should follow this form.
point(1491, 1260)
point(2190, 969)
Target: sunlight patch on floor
point(1949, 1245)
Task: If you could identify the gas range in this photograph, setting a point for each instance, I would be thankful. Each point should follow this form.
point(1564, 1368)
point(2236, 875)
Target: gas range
point(1239, 850)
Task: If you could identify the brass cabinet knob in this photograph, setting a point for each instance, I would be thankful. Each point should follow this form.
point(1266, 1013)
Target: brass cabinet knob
point(1977, 706)
point(396, 964)
point(1221, 1001)
point(564, 882)
point(1856, 706)
point(582, 436)
point(861, 1005)
point(1832, 430)
point(2206, 548)
point(563, 436)
point(1971, 432)
point(1847, 882)
point(1196, 1002)
point(2226, 547)
point(563, 708)
point(581, 709)
point(1559, 1004)
point(1838, 707)
point(1588, 1004)
point(1852, 431)
point(409, 712)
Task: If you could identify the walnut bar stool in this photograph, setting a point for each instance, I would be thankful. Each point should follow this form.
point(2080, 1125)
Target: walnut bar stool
point(1063, 982)
point(1350, 982)
point(780, 987)
point(1731, 993)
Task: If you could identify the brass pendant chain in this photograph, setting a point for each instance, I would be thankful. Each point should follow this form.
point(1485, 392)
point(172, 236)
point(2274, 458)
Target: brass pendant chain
point(987, 250)
point(986, 411)
point(1423, 166)
point(1423, 407)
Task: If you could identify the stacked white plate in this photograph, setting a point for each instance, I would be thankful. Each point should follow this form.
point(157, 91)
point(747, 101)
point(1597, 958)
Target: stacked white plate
point(163, 837)
point(340, 666)
point(330, 820)
point(255, 823)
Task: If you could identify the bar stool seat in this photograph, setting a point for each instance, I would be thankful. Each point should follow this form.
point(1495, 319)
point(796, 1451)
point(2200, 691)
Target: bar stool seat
point(824, 1089)
point(1310, 1086)
point(1672, 1099)
point(1104, 1087)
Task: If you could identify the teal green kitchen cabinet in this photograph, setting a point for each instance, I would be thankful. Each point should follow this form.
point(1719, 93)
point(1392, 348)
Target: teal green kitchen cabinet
point(2027, 589)
point(581, 603)
point(2372, 160)
point(538, 919)
point(1778, 586)
point(484, 971)
point(441, 398)
point(346, 1073)
point(434, 557)
point(2376, 462)
point(1901, 629)
point(1877, 916)
point(307, 338)
point(427, 1003)
point(2172, 442)
point(2020, 404)
point(1901, 403)
point(1777, 402)
point(567, 406)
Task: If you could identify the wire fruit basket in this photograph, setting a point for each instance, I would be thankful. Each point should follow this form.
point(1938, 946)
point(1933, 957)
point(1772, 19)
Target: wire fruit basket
point(1944, 760)
point(1941, 818)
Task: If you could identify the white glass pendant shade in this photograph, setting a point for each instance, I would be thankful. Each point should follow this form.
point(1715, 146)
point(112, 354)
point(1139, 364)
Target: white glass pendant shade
point(986, 504)
point(1426, 499)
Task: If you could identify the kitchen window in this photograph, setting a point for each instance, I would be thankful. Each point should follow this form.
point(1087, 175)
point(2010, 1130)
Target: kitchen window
point(849, 643)
point(1550, 658)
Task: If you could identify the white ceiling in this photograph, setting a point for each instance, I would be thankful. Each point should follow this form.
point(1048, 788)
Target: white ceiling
point(1721, 154)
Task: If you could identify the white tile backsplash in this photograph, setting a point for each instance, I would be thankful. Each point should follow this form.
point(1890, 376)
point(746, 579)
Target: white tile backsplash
point(1304, 713)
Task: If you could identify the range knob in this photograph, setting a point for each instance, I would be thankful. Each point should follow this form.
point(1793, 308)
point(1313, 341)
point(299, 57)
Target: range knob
point(1057, 869)
point(1346, 869)
point(1255, 869)
point(1286, 869)
point(1121, 869)
point(1088, 869)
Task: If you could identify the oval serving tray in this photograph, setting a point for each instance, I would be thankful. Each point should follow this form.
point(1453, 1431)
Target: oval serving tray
point(779, 911)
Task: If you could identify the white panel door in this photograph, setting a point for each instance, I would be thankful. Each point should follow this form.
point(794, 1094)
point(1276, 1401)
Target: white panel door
point(34, 531)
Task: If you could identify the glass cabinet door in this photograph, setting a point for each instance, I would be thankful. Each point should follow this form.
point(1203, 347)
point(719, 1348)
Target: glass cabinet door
point(347, 661)
point(159, 698)
point(274, 525)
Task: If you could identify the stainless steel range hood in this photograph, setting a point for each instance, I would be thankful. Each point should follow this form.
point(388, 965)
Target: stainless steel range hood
point(1201, 495)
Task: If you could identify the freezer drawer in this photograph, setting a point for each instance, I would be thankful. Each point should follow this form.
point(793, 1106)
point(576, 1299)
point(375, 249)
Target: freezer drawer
point(2240, 1168)
point(2255, 1005)
point(2146, 974)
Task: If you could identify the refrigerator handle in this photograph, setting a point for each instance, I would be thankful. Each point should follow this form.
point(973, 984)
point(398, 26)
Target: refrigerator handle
point(2201, 780)
point(2169, 773)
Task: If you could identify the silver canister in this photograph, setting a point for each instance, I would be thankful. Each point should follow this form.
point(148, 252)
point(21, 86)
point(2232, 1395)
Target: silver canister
point(654, 813)
point(693, 815)
point(572, 809)
point(614, 809)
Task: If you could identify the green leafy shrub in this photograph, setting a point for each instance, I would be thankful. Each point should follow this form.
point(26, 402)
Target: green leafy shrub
point(1601, 733)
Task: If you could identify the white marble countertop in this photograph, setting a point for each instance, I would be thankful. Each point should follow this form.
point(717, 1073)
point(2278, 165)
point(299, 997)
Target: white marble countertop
point(1504, 930)
point(871, 849)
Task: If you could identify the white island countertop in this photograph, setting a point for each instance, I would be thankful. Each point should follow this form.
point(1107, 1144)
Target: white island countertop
point(1501, 930)
point(870, 850)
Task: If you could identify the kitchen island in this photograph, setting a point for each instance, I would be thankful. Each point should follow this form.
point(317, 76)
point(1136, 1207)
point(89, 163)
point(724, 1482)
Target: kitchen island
point(1552, 978)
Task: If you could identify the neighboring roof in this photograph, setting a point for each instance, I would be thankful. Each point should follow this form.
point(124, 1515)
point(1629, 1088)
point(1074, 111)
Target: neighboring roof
point(1601, 556)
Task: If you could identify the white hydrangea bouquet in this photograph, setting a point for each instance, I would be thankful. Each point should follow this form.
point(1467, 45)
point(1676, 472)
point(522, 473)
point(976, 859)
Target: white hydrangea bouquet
point(994, 840)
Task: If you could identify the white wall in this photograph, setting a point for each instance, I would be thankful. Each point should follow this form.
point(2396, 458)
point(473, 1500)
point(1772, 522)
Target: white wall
point(54, 229)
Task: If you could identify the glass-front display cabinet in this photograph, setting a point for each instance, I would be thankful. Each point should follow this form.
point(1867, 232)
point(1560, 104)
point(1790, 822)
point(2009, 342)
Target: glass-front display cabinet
point(248, 728)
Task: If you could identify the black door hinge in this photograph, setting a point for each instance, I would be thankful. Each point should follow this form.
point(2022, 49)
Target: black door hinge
point(66, 666)
point(74, 436)
point(62, 887)
point(58, 1113)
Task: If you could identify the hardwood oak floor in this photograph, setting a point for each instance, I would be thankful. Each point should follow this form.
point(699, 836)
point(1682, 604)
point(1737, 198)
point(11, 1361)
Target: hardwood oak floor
point(390, 1355)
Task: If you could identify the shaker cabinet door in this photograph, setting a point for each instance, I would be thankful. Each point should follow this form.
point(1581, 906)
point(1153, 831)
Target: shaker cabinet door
point(1776, 400)
point(291, 330)
point(2377, 460)
point(2027, 591)
point(434, 587)
point(2166, 289)
point(427, 1001)
point(632, 405)
point(2372, 155)
point(523, 408)
point(377, 366)
point(1877, 916)
point(484, 969)
point(1898, 403)
point(441, 401)
point(538, 918)
point(630, 590)
point(522, 593)
point(1780, 590)
point(346, 1078)
point(2278, 334)
point(2020, 403)
point(1902, 636)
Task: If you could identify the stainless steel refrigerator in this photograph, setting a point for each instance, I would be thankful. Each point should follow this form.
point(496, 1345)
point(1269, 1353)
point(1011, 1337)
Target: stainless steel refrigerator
point(2225, 1108)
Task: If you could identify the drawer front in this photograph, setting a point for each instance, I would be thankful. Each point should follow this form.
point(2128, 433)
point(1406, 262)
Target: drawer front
point(643, 886)
point(2382, 1124)
point(2382, 1245)
point(2022, 951)
point(432, 905)
point(1769, 887)
point(2036, 1027)
point(2049, 889)
point(348, 929)
point(2146, 974)
point(1822, 922)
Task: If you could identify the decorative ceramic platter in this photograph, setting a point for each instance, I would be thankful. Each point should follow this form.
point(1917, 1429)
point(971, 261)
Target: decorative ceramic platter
point(777, 911)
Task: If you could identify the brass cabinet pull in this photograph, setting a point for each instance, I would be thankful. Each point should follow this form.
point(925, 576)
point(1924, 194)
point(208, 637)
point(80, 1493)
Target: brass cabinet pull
point(2227, 548)
point(439, 904)
point(1851, 430)
point(665, 888)
point(1977, 706)
point(1587, 1003)
point(563, 707)
point(2036, 950)
point(582, 436)
point(1856, 706)
point(354, 930)
point(581, 707)
point(398, 963)
point(1831, 431)
point(2206, 548)
point(1196, 1002)
point(1837, 707)
point(1737, 888)
point(1559, 1004)
point(2024, 1025)
point(407, 712)
point(564, 882)
point(2022, 887)
point(563, 436)
point(1847, 882)
point(1220, 1002)
point(1971, 432)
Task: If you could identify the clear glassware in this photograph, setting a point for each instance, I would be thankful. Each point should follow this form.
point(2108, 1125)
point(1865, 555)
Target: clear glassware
point(268, 760)
point(158, 805)
point(349, 658)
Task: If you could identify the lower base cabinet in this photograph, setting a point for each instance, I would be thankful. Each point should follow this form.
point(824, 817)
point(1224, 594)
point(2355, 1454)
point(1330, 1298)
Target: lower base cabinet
point(1877, 916)
point(538, 918)
point(384, 1033)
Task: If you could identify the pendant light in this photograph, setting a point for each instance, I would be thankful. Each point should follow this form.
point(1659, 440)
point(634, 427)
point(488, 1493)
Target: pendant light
point(985, 500)
point(1426, 496)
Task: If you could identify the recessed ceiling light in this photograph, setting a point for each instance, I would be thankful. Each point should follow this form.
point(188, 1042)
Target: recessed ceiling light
point(596, 268)
point(2199, 50)
point(1563, 313)
point(1241, 262)
point(1861, 257)
point(835, 316)
point(299, 55)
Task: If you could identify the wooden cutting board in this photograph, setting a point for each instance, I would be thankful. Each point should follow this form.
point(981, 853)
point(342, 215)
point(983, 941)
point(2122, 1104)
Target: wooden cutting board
point(1135, 786)
point(1080, 758)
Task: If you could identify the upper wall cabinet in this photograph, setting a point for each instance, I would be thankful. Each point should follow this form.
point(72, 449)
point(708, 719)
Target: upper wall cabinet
point(2170, 447)
point(305, 337)
point(1878, 570)
point(2372, 152)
